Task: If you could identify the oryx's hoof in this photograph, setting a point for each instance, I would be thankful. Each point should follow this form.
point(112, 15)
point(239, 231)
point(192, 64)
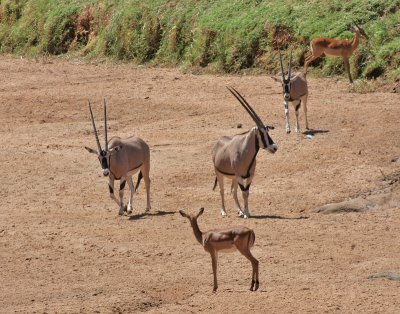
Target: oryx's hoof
point(129, 210)
point(223, 212)
point(147, 209)
point(122, 210)
point(288, 131)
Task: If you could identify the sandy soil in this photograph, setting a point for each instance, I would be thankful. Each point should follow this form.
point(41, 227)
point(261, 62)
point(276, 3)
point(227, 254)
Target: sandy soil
point(64, 249)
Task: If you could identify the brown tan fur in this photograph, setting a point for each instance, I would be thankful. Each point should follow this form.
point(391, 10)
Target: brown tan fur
point(227, 240)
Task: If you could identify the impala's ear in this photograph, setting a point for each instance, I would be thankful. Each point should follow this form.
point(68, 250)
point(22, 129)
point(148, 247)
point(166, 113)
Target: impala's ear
point(91, 150)
point(183, 214)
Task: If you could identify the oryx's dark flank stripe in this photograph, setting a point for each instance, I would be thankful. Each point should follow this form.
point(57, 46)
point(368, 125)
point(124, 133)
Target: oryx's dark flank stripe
point(225, 173)
point(298, 106)
point(111, 189)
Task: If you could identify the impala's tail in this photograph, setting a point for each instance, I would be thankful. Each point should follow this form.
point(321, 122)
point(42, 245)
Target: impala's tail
point(252, 238)
point(140, 176)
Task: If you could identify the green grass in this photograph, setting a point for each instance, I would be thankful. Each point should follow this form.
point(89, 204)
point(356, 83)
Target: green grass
point(219, 35)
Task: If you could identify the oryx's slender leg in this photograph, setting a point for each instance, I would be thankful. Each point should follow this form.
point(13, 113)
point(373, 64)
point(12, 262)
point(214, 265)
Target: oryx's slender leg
point(214, 260)
point(220, 179)
point(286, 105)
point(304, 100)
point(245, 250)
point(245, 187)
point(235, 197)
point(132, 188)
point(146, 177)
point(122, 183)
point(297, 105)
point(111, 188)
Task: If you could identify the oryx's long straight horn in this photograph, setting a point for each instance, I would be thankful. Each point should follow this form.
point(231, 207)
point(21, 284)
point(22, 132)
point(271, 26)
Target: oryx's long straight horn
point(105, 125)
point(94, 128)
point(246, 106)
point(290, 66)
point(282, 71)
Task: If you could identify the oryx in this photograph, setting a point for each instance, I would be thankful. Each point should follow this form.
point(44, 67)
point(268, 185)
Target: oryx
point(120, 159)
point(295, 90)
point(235, 157)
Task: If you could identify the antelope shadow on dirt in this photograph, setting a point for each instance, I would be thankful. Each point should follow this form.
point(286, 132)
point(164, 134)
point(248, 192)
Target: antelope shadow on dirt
point(313, 132)
point(276, 217)
point(150, 214)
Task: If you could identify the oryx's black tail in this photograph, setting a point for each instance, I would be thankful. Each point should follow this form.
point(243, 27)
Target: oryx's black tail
point(140, 176)
point(215, 183)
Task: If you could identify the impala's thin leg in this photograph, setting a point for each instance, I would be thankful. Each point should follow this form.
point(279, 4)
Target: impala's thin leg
point(214, 260)
point(220, 179)
point(122, 208)
point(347, 67)
point(254, 264)
point(235, 197)
point(297, 105)
point(132, 188)
point(111, 188)
point(307, 62)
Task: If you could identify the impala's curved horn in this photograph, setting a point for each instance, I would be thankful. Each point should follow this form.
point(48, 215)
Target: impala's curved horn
point(105, 124)
point(246, 106)
point(94, 128)
point(283, 72)
point(290, 66)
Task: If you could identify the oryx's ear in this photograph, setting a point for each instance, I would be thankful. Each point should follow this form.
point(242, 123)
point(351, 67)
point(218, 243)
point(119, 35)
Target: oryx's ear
point(200, 212)
point(184, 214)
point(276, 79)
point(91, 150)
point(115, 149)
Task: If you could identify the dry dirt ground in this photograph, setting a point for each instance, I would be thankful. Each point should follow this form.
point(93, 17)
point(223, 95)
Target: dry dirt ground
point(64, 249)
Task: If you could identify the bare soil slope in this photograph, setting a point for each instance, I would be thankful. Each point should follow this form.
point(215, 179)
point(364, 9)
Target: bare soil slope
point(63, 247)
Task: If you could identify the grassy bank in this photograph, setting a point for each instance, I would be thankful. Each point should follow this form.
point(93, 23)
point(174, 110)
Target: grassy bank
point(221, 35)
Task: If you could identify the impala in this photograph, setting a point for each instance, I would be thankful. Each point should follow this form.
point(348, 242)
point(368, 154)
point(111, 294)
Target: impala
point(227, 240)
point(336, 47)
point(120, 159)
point(235, 157)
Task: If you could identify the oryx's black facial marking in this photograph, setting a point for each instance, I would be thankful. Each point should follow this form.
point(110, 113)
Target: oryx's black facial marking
point(266, 140)
point(103, 159)
point(122, 185)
